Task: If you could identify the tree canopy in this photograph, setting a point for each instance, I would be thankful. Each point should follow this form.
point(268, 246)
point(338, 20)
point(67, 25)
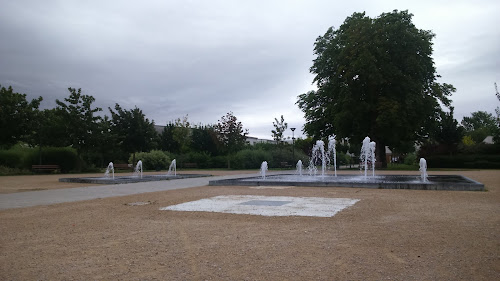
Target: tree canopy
point(80, 121)
point(136, 133)
point(480, 125)
point(17, 116)
point(375, 77)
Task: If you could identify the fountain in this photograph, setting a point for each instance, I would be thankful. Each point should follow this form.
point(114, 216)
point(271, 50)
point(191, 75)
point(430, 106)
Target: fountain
point(423, 169)
point(138, 169)
point(331, 150)
point(318, 154)
point(299, 168)
point(172, 167)
point(108, 169)
point(367, 157)
point(263, 169)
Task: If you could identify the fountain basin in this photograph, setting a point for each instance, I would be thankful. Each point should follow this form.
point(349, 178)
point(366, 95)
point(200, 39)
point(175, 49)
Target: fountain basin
point(131, 179)
point(437, 182)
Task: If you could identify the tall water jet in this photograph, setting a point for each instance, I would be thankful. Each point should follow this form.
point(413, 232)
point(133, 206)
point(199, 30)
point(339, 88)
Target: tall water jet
point(367, 155)
point(172, 167)
point(423, 169)
point(299, 167)
point(372, 156)
point(318, 153)
point(331, 150)
point(111, 169)
point(138, 169)
point(263, 169)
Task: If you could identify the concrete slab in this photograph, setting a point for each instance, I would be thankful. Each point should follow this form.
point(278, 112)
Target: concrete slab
point(267, 205)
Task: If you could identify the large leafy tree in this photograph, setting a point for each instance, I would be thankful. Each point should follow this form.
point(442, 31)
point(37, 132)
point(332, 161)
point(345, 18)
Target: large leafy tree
point(80, 119)
point(135, 132)
point(375, 77)
point(17, 117)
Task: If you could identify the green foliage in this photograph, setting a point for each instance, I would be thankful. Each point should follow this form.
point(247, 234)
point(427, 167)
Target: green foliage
point(410, 159)
point(153, 160)
point(135, 132)
point(167, 142)
point(480, 125)
point(17, 117)
point(279, 128)
point(202, 159)
point(375, 77)
point(469, 161)
point(204, 139)
point(467, 141)
point(182, 133)
point(18, 157)
point(65, 157)
point(79, 119)
point(250, 159)
point(230, 133)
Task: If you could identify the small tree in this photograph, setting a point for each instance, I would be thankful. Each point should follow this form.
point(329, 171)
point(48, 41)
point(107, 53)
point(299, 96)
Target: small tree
point(230, 134)
point(279, 129)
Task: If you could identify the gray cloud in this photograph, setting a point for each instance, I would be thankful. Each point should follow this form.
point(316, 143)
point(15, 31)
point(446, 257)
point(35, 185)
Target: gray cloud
point(205, 58)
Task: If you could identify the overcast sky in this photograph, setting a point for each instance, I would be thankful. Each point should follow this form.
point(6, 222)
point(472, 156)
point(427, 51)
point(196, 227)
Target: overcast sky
point(205, 58)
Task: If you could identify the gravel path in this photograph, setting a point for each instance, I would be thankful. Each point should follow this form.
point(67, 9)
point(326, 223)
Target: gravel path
point(386, 235)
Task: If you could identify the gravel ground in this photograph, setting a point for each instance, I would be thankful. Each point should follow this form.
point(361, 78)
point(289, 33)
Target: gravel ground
point(387, 235)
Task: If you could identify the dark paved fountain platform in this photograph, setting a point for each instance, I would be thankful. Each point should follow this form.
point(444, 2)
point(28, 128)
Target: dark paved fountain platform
point(131, 179)
point(438, 182)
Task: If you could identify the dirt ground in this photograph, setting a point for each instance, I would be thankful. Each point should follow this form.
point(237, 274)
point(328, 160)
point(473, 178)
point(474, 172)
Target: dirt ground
point(387, 235)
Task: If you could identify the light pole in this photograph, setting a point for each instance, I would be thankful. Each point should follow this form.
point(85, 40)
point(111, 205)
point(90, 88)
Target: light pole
point(293, 143)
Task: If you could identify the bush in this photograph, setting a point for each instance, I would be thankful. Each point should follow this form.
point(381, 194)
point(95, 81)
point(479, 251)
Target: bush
point(153, 160)
point(202, 159)
point(12, 158)
point(469, 161)
point(410, 159)
point(250, 159)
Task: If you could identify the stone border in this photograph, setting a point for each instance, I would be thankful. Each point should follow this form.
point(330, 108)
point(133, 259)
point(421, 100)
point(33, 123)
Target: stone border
point(131, 179)
point(437, 182)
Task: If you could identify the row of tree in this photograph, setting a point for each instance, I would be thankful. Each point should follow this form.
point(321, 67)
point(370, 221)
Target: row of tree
point(99, 138)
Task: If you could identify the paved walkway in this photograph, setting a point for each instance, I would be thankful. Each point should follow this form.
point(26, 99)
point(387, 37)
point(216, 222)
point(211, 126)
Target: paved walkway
point(54, 196)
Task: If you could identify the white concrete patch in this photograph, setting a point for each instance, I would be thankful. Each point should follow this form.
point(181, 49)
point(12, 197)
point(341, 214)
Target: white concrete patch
point(267, 205)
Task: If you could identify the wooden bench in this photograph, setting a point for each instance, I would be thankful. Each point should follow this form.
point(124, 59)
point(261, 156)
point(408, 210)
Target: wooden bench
point(122, 167)
point(45, 168)
point(285, 165)
point(190, 165)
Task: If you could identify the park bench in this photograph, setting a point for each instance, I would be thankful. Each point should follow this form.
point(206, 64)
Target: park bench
point(190, 165)
point(45, 168)
point(122, 167)
point(285, 165)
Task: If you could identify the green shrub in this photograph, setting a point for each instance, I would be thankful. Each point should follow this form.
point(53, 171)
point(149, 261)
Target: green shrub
point(218, 162)
point(153, 160)
point(250, 159)
point(470, 161)
point(410, 159)
point(65, 157)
